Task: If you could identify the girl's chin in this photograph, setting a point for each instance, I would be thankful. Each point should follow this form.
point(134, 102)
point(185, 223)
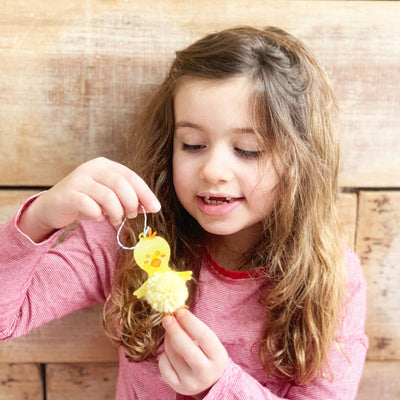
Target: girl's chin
point(219, 231)
point(240, 233)
point(223, 229)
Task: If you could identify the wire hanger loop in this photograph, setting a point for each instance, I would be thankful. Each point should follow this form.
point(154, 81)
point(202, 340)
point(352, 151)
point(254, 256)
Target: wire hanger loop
point(145, 231)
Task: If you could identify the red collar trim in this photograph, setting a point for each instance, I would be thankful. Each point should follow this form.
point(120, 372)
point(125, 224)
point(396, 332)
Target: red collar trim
point(253, 273)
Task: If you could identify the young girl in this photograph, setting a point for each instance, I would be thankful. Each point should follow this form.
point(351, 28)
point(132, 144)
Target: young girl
point(237, 146)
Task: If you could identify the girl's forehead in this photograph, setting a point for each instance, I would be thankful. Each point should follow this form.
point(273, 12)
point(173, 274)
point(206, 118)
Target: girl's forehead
point(214, 104)
point(232, 92)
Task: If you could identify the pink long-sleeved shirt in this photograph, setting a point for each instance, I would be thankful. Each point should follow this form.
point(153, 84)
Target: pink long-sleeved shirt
point(42, 282)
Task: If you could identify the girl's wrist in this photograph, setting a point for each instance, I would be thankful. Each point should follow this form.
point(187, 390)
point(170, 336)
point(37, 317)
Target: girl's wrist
point(31, 226)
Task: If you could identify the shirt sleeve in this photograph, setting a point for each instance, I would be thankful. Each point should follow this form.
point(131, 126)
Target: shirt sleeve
point(346, 358)
point(45, 281)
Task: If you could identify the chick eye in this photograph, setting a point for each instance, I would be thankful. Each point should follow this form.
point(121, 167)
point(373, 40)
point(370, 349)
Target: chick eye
point(247, 153)
point(147, 255)
point(157, 252)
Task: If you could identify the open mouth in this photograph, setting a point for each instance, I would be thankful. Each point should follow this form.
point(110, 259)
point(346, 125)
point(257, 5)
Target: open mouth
point(218, 205)
point(217, 200)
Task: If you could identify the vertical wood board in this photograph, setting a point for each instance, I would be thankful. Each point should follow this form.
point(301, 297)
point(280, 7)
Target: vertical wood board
point(20, 381)
point(348, 216)
point(378, 245)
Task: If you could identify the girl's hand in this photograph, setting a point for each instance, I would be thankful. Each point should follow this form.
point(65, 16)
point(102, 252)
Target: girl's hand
point(194, 358)
point(95, 189)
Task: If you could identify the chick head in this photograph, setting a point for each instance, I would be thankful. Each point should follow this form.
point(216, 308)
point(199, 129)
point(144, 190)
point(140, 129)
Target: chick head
point(152, 253)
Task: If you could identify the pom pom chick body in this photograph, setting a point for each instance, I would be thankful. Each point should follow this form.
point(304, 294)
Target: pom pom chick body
point(165, 289)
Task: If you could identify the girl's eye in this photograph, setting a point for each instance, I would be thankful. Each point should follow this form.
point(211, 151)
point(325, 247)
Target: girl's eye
point(192, 147)
point(248, 153)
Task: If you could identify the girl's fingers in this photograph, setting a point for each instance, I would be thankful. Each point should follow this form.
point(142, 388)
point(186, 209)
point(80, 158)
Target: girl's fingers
point(145, 196)
point(117, 189)
point(194, 351)
point(176, 360)
point(107, 199)
point(87, 207)
point(122, 190)
point(201, 334)
point(184, 344)
point(167, 371)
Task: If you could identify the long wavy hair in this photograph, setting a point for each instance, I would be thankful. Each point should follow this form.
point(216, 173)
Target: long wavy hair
point(293, 111)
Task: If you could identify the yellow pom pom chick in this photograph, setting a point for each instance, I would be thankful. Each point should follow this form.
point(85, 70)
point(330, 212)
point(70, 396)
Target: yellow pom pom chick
point(165, 290)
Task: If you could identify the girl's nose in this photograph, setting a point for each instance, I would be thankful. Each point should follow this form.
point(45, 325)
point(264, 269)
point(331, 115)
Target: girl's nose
point(216, 168)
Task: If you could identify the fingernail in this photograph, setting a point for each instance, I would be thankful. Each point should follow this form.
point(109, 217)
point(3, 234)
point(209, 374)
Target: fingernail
point(155, 206)
point(133, 214)
point(180, 313)
point(166, 321)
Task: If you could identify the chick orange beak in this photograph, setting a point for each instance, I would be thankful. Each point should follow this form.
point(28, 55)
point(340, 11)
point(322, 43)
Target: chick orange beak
point(156, 262)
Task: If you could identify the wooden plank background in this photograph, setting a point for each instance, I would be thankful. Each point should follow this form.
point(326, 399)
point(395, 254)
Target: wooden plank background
point(73, 76)
point(20, 381)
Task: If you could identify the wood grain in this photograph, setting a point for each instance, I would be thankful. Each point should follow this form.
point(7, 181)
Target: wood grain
point(380, 381)
point(11, 201)
point(97, 381)
point(81, 381)
point(348, 217)
point(78, 337)
point(20, 381)
point(74, 75)
point(378, 245)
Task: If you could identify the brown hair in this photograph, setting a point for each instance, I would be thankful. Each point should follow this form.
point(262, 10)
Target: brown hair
point(293, 110)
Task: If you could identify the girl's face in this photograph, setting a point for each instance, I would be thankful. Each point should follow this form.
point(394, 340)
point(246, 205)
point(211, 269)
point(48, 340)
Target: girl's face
point(220, 175)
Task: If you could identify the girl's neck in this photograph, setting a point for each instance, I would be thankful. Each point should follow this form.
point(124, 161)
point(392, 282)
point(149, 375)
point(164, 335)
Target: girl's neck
point(228, 251)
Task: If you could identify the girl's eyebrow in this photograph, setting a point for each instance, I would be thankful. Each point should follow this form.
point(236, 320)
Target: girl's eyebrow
point(243, 130)
point(187, 124)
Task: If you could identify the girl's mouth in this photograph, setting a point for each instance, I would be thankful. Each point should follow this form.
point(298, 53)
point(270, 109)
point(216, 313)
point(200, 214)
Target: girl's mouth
point(218, 206)
point(217, 200)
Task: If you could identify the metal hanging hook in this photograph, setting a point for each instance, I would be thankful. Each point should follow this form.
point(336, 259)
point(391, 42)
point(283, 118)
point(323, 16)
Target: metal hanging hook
point(145, 230)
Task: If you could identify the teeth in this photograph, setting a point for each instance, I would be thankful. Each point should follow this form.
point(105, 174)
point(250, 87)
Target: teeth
point(215, 202)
